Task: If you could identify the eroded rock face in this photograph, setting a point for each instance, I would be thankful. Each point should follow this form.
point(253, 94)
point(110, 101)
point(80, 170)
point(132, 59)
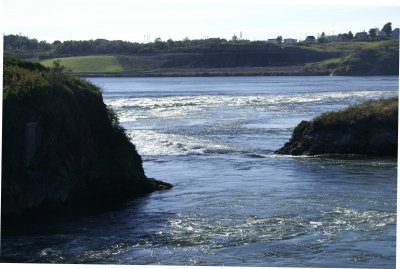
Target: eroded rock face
point(64, 149)
point(367, 135)
point(347, 141)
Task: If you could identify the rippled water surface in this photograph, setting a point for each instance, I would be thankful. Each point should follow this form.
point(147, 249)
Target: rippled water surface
point(234, 201)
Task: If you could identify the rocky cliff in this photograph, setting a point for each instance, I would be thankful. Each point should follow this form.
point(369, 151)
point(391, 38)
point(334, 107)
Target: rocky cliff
point(62, 147)
point(369, 128)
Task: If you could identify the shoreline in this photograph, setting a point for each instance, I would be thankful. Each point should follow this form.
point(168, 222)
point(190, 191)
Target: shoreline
point(298, 70)
point(123, 74)
point(213, 74)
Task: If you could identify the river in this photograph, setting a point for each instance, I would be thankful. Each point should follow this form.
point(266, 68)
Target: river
point(234, 201)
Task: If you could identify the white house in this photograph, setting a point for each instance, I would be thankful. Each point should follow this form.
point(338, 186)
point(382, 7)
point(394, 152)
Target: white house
point(310, 39)
point(361, 35)
point(382, 34)
point(290, 41)
point(333, 38)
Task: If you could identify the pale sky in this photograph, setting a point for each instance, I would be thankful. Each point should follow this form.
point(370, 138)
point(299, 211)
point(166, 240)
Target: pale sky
point(132, 20)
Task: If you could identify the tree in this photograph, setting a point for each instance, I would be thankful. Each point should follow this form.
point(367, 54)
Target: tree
point(43, 45)
point(387, 28)
point(158, 44)
point(170, 43)
point(350, 35)
point(186, 41)
point(346, 36)
point(322, 38)
point(234, 38)
point(279, 39)
point(372, 32)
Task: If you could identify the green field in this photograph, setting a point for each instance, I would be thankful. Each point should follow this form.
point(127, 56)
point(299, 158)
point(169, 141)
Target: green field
point(89, 63)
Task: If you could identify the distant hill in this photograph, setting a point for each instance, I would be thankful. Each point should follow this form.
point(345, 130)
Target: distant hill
point(212, 57)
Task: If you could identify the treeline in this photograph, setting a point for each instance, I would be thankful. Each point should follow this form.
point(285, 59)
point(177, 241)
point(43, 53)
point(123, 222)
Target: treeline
point(16, 44)
point(25, 47)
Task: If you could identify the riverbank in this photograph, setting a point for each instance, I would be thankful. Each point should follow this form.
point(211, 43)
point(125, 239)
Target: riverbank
point(297, 70)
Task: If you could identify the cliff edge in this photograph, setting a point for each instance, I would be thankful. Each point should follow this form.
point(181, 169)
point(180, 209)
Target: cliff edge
point(368, 129)
point(62, 146)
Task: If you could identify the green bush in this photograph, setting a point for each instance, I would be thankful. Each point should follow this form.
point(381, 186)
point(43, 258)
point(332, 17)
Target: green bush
point(20, 82)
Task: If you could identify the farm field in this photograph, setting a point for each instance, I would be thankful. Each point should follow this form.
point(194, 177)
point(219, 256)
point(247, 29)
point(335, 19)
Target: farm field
point(98, 63)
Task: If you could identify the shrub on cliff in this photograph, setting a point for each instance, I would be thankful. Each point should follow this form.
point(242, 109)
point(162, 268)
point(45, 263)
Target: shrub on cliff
point(376, 114)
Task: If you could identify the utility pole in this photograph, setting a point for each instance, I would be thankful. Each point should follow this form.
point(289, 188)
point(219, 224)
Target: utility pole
point(20, 41)
point(146, 39)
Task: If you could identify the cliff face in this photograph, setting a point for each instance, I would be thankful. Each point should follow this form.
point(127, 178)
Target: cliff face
point(61, 145)
point(369, 128)
point(382, 60)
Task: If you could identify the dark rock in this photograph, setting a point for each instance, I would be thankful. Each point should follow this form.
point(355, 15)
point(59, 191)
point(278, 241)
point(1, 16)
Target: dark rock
point(369, 128)
point(63, 148)
point(159, 185)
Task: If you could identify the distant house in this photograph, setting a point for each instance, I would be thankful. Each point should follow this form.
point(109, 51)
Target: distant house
point(290, 41)
point(361, 35)
point(310, 39)
point(382, 34)
point(273, 41)
point(395, 33)
point(333, 38)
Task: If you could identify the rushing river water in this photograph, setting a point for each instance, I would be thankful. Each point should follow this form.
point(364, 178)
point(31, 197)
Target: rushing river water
point(234, 201)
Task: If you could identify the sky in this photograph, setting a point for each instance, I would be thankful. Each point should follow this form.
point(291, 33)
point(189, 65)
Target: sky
point(141, 20)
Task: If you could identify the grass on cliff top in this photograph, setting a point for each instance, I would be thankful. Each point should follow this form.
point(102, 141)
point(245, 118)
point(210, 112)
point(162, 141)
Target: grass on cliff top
point(379, 112)
point(353, 45)
point(99, 63)
point(379, 58)
point(34, 84)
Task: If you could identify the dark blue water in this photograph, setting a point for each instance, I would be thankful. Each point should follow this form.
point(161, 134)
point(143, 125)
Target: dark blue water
point(234, 201)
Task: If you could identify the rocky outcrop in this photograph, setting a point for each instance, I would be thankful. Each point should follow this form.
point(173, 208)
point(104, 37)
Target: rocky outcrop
point(369, 128)
point(62, 147)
